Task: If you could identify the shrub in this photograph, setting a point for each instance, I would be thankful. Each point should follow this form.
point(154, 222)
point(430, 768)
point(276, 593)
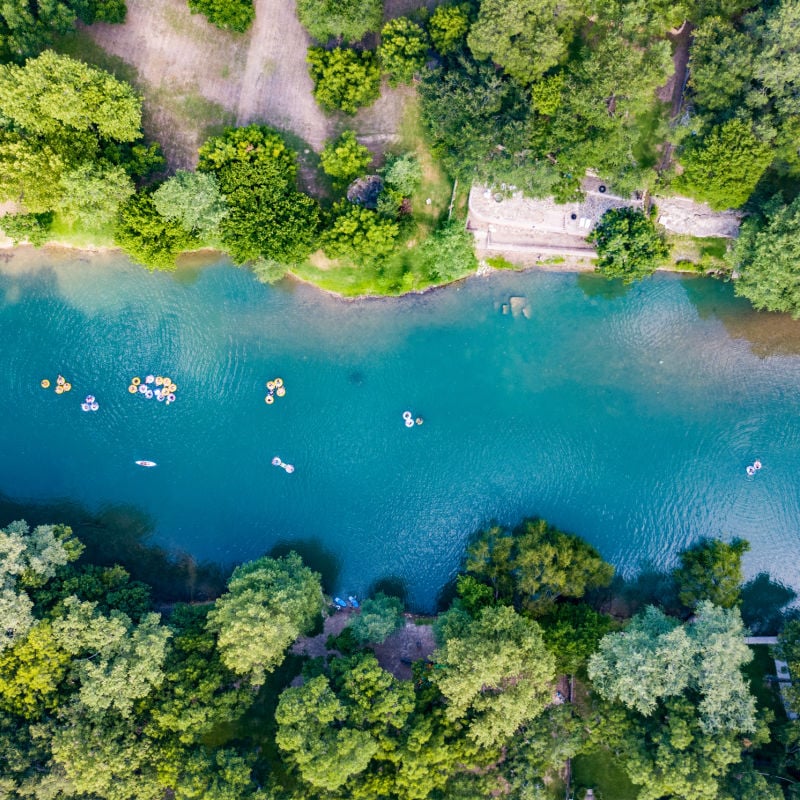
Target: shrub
point(344, 79)
point(344, 158)
point(35, 228)
point(359, 233)
point(231, 15)
point(448, 27)
point(402, 49)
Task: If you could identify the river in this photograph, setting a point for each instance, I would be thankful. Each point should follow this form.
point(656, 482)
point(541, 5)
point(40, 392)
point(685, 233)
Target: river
point(627, 416)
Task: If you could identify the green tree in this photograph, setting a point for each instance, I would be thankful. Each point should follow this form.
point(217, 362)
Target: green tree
point(344, 79)
point(268, 218)
point(55, 95)
point(31, 673)
point(194, 200)
point(628, 245)
point(495, 675)
point(767, 258)
point(380, 616)
point(231, 15)
point(723, 168)
point(344, 158)
point(403, 174)
point(310, 731)
point(721, 64)
point(269, 603)
point(573, 631)
point(403, 48)
point(711, 570)
point(656, 658)
point(344, 20)
point(93, 193)
point(33, 228)
point(448, 27)
point(536, 564)
point(148, 238)
point(359, 234)
point(118, 663)
point(526, 38)
point(448, 253)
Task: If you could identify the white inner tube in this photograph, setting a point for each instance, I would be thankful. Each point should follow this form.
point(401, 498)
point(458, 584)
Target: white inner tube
point(409, 423)
point(95, 406)
point(407, 415)
point(85, 406)
point(149, 394)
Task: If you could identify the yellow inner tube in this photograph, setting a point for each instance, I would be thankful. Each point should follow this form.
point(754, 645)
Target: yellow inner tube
point(45, 384)
point(270, 385)
point(278, 382)
point(269, 399)
point(173, 388)
point(159, 380)
point(60, 381)
point(136, 381)
point(67, 387)
point(132, 389)
point(59, 389)
point(167, 381)
point(280, 391)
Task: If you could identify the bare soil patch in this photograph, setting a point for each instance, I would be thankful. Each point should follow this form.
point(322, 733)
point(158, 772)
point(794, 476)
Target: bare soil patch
point(196, 78)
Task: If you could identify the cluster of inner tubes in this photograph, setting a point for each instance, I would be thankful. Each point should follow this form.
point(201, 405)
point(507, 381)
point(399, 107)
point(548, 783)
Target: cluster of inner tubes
point(90, 404)
point(62, 385)
point(753, 468)
point(164, 390)
point(409, 420)
point(274, 387)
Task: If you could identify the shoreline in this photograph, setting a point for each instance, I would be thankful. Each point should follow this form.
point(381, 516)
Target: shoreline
point(484, 270)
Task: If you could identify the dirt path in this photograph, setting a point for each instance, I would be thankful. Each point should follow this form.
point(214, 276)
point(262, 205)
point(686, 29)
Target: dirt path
point(275, 85)
point(197, 78)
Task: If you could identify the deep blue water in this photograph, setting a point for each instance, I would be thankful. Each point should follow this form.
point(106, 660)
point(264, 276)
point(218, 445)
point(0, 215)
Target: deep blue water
point(625, 416)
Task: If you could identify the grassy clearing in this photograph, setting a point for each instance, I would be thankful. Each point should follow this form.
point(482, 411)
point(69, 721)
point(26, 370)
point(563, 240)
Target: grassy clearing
point(597, 771)
point(694, 254)
point(79, 45)
point(78, 236)
point(436, 186)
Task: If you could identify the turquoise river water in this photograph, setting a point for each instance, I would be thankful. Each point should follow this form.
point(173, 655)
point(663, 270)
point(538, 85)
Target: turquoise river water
point(628, 417)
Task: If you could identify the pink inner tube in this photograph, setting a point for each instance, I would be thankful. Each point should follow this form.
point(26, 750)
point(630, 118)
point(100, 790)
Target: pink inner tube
point(276, 462)
point(289, 468)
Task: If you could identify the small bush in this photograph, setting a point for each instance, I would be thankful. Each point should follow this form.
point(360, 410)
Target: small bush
point(344, 79)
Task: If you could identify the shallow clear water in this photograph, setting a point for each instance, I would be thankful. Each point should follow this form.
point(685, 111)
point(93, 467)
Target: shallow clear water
point(625, 416)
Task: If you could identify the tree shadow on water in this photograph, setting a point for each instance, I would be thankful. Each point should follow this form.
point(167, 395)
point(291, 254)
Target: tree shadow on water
point(392, 585)
point(121, 535)
point(315, 556)
point(597, 286)
point(764, 604)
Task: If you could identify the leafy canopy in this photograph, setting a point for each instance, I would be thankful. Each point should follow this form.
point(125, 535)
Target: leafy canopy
point(379, 617)
point(402, 50)
point(194, 200)
point(536, 564)
point(359, 234)
point(711, 570)
point(767, 257)
point(723, 168)
point(344, 79)
point(344, 158)
point(495, 673)
point(628, 245)
point(267, 217)
point(344, 20)
point(232, 15)
point(269, 603)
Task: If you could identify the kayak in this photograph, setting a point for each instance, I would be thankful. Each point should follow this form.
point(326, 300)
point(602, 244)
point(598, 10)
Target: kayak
point(146, 463)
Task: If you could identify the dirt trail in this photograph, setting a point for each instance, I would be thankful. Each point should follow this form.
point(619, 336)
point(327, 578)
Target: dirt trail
point(197, 78)
point(275, 84)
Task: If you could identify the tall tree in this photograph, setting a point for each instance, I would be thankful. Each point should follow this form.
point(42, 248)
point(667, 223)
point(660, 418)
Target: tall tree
point(767, 257)
point(723, 168)
point(527, 37)
point(495, 675)
point(269, 603)
point(711, 570)
point(628, 245)
point(536, 564)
